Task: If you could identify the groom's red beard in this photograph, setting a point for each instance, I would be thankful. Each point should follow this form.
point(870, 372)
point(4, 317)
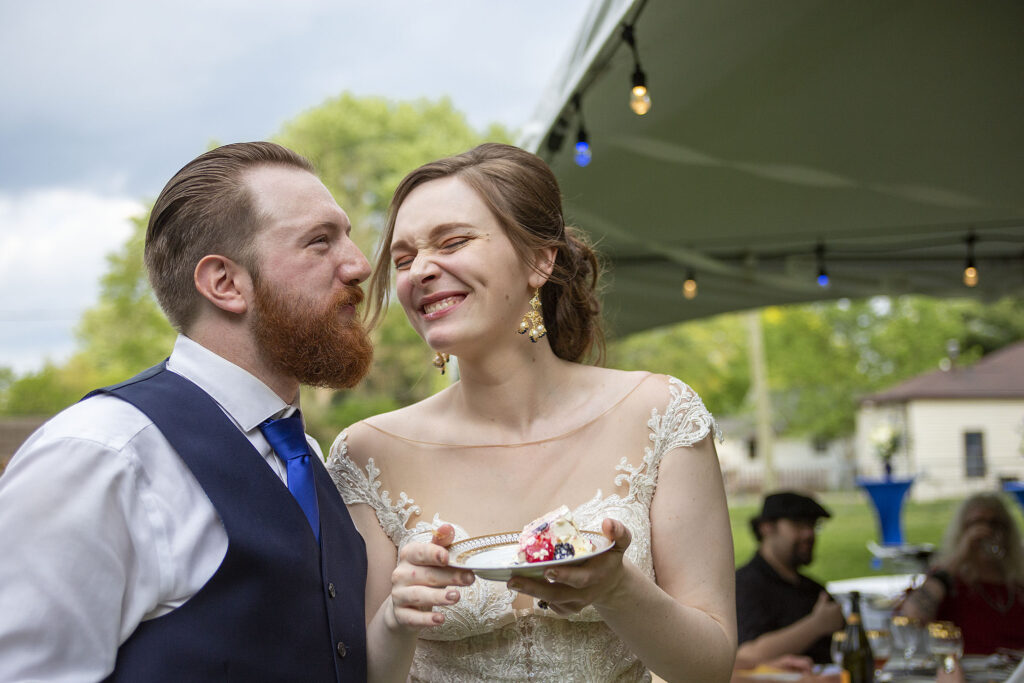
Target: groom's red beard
point(320, 347)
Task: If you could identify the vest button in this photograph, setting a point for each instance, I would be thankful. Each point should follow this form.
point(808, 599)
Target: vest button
point(330, 590)
point(342, 650)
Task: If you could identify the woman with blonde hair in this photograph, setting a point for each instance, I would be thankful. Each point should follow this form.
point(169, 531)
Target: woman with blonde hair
point(487, 271)
point(977, 581)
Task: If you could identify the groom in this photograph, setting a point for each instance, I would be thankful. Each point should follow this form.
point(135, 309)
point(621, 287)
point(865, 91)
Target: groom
point(181, 526)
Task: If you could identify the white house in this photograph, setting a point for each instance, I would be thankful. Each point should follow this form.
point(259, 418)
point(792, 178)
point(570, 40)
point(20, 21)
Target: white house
point(961, 430)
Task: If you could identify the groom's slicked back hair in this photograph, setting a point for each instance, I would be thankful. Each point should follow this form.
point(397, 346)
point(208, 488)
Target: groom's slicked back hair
point(206, 208)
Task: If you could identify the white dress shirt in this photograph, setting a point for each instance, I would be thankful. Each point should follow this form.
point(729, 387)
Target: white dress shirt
point(102, 524)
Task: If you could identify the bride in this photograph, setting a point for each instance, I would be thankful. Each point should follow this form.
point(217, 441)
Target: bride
point(478, 245)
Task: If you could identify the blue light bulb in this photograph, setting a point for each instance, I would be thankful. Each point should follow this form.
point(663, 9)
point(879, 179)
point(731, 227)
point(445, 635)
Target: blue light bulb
point(582, 153)
point(823, 279)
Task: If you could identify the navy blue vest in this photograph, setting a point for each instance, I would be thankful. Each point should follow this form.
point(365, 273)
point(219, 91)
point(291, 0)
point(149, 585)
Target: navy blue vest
point(279, 608)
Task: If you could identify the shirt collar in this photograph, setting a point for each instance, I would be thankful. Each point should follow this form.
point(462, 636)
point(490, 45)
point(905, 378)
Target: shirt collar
point(246, 399)
point(765, 567)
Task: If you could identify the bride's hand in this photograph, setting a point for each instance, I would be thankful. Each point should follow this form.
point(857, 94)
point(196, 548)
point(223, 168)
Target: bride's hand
point(568, 589)
point(423, 580)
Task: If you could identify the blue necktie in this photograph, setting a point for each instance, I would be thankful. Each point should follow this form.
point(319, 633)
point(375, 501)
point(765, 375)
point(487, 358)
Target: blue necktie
point(288, 439)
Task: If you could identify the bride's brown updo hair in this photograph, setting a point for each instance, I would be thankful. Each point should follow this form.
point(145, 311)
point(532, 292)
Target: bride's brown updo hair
point(523, 194)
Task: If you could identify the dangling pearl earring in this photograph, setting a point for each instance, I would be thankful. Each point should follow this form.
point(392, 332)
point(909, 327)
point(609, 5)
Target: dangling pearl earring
point(533, 320)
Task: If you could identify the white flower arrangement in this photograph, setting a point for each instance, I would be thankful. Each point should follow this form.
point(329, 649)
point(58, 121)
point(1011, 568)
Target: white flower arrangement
point(886, 439)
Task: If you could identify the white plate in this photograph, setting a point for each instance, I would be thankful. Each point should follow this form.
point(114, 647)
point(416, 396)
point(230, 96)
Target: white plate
point(494, 556)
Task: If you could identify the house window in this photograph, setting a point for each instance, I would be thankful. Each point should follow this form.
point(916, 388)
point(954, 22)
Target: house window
point(974, 454)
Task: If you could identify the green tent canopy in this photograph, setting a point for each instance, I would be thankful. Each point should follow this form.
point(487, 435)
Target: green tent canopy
point(879, 141)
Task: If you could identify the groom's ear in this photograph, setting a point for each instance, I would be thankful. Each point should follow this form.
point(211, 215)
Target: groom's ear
point(543, 264)
point(224, 283)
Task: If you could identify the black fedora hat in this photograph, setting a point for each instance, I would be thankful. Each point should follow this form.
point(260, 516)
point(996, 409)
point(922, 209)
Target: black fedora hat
point(790, 505)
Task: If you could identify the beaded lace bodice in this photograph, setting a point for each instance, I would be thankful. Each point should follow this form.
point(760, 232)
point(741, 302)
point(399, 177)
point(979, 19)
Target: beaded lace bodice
point(484, 637)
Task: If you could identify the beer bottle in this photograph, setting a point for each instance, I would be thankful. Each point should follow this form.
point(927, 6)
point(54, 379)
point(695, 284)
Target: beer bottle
point(858, 662)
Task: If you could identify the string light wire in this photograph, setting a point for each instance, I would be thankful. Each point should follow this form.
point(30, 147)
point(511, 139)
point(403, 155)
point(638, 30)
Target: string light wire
point(639, 97)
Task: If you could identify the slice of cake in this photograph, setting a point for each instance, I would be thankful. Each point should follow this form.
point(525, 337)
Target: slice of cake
point(552, 537)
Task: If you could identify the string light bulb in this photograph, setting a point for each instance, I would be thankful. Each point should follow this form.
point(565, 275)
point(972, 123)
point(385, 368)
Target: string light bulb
point(581, 154)
point(690, 285)
point(970, 269)
point(823, 279)
point(639, 96)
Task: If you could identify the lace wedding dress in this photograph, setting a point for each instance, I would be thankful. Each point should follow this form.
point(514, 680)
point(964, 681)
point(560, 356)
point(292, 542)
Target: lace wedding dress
point(483, 637)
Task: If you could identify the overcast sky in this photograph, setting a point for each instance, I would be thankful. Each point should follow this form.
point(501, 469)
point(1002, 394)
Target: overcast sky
point(103, 101)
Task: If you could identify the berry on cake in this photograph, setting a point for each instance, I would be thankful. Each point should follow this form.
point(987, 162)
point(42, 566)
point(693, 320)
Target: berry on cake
point(552, 537)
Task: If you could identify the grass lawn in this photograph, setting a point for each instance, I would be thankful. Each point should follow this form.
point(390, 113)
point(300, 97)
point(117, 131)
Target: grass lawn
point(841, 551)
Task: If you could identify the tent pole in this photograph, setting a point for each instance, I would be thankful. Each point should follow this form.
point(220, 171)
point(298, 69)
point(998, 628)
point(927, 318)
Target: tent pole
point(759, 387)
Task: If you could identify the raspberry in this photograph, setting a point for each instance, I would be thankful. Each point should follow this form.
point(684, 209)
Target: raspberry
point(564, 550)
point(539, 549)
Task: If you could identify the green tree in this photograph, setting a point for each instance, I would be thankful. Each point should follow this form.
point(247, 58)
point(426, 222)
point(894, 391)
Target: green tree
point(994, 325)
point(812, 371)
point(46, 391)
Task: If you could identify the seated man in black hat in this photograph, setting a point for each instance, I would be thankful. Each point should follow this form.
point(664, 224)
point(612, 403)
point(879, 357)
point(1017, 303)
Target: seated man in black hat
point(780, 611)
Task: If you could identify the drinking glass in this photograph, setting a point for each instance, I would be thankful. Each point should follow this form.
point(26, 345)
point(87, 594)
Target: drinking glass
point(838, 638)
point(907, 634)
point(881, 648)
point(946, 641)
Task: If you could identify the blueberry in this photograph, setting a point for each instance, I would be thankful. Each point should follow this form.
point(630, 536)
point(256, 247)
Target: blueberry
point(564, 550)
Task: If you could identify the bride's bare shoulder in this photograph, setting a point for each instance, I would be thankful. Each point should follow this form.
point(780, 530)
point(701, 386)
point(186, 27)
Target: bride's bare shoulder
point(632, 387)
point(411, 422)
point(660, 389)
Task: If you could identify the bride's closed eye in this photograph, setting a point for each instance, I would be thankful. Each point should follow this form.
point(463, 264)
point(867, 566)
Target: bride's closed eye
point(449, 245)
point(454, 243)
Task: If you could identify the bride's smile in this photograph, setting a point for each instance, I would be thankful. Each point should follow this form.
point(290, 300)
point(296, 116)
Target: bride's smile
point(434, 307)
point(451, 256)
